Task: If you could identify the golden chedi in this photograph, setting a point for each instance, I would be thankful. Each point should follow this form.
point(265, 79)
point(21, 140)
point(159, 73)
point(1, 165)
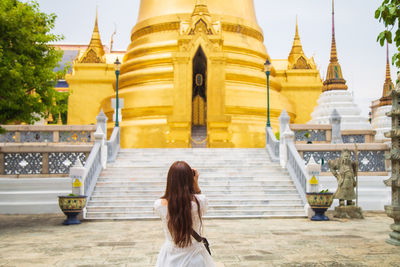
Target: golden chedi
point(90, 81)
point(196, 65)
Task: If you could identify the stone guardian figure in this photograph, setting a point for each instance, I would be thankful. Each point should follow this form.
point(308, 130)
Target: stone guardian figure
point(345, 171)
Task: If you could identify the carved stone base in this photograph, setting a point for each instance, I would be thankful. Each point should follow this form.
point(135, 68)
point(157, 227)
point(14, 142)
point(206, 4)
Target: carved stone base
point(348, 212)
point(394, 212)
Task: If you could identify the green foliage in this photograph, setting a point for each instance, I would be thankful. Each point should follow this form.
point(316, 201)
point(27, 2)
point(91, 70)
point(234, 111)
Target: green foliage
point(307, 135)
point(27, 62)
point(389, 13)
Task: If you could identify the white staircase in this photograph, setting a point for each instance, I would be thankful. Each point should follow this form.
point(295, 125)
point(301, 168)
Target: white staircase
point(32, 195)
point(239, 183)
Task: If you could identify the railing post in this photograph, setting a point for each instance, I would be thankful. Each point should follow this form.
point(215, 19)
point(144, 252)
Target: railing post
point(335, 122)
point(76, 173)
point(285, 136)
point(313, 170)
point(99, 137)
point(102, 122)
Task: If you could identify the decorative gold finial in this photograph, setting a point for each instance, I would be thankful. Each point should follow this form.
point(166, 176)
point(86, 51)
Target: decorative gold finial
point(334, 77)
point(200, 8)
point(297, 58)
point(59, 122)
point(386, 99)
point(95, 51)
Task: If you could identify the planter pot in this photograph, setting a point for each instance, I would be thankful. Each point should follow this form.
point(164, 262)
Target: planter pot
point(72, 206)
point(319, 202)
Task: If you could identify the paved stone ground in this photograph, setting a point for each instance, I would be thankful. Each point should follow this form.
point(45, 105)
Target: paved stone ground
point(41, 240)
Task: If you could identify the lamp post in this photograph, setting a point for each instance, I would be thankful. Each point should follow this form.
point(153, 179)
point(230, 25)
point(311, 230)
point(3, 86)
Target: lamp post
point(117, 66)
point(267, 69)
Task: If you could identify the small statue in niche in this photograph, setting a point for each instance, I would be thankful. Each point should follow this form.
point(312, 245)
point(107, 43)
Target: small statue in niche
point(345, 170)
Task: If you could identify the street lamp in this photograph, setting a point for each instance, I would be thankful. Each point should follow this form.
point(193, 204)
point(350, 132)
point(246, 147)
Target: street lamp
point(117, 66)
point(267, 69)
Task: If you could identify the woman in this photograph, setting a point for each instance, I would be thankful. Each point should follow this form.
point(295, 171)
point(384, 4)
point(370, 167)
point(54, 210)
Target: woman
point(180, 210)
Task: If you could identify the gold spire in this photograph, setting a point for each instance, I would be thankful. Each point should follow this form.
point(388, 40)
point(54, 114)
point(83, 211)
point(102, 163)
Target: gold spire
point(388, 86)
point(334, 78)
point(95, 51)
point(200, 8)
point(297, 58)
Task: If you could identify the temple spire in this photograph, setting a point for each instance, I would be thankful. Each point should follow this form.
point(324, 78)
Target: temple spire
point(95, 51)
point(200, 8)
point(297, 48)
point(334, 78)
point(388, 86)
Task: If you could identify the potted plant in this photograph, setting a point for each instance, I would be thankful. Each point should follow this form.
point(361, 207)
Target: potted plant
point(72, 205)
point(320, 202)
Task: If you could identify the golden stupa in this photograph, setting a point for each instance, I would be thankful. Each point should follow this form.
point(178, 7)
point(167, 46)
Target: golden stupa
point(197, 64)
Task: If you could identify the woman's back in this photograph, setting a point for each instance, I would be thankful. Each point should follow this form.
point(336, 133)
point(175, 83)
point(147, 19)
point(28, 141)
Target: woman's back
point(161, 208)
point(180, 210)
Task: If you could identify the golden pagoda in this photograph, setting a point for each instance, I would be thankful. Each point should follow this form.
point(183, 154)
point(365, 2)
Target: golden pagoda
point(386, 99)
point(90, 81)
point(300, 80)
point(334, 77)
point(194, 64)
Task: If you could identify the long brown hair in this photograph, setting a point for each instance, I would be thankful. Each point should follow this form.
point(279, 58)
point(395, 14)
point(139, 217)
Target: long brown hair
point(179, 193)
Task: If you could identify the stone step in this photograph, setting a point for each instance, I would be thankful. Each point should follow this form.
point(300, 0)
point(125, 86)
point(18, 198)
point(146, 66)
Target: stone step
point(217, 196)
point(30, 207)
point(239, 183)
point(211, 208)
point(110, 202)
point(202, 179)
point(26, 196)
point(218, 214)
point(124, 172)
point(34, 184)
point(202, 184)
point(217, 188)
point(156, 193)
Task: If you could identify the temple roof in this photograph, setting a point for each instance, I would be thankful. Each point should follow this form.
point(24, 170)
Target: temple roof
point(95, 51)
point(334, 78)
point(388, 85)
point(297, 59)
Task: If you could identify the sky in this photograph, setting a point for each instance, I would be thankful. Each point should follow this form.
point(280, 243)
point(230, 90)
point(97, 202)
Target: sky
point(362, 59)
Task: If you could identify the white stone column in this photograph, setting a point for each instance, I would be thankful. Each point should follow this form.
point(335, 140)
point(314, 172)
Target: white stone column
point(99, 138)
point(335, 122)
point(102, 122)
point(285, 135)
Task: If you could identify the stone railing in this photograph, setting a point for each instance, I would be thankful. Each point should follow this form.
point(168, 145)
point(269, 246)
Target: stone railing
point(113, 145)
point(92, 169)
point(48, 134)
point(371, 156)
point(296, 168)
point(40, 159)
point(271, 144)
point(103, 151)
point(319, 133)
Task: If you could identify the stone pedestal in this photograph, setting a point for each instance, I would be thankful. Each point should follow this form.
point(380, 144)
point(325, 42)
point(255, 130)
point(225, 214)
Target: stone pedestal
point(348, 212)
point(394, 212)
